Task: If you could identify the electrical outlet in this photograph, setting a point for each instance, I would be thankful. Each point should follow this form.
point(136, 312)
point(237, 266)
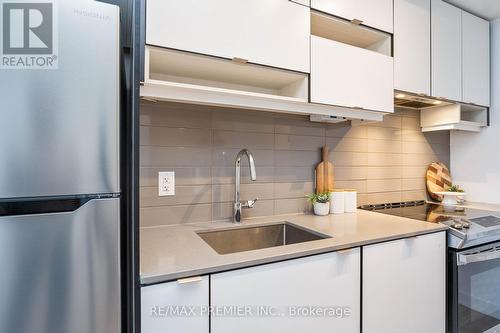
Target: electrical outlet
point(166, 184)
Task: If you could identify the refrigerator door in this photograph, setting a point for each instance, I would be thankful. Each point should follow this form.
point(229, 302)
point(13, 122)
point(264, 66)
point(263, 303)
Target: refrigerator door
point(60, 272)
point(59, 127)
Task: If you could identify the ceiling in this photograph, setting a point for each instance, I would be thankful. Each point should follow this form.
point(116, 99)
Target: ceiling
point(488, 9)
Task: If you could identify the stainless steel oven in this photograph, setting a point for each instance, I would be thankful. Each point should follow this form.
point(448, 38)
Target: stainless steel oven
point(474, 289)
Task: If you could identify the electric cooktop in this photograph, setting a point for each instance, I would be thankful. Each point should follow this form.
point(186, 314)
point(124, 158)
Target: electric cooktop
point(468, 226)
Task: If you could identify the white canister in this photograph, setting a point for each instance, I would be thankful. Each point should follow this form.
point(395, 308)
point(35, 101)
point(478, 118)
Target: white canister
point(351, 201)
point(337, 202)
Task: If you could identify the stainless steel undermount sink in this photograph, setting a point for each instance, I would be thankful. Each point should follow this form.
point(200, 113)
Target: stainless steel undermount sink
point(259, 237)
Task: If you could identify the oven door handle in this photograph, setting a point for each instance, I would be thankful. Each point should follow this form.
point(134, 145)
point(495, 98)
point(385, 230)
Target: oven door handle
point(464, 259)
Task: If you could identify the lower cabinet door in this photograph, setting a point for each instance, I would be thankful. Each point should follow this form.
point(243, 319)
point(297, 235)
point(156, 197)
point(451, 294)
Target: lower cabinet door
point(314, 294)
point(404, 285)
point(179, 306)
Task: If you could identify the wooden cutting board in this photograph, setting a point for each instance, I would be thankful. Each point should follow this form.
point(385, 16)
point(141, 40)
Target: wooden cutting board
point(438, 179)
point(324, 174)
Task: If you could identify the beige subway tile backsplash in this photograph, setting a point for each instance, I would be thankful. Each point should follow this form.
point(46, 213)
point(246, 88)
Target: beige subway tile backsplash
point(232, 139)
point(292, 190)
point(175, 137)
point(384, 146)
point(347, 145)
point(225, 192)
point(225, 175)
point(291, 206)
point(169, 215)
point(384, 162)
point(298, 126)
point(293, 174)
point(183, 175)
point(174, 156)
point(184, 195)
point(298, 142)
point(350, 173)
point(384, 172)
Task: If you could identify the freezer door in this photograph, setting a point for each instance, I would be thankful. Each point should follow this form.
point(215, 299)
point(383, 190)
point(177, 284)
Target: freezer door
point(59, 127)
point(60, 272)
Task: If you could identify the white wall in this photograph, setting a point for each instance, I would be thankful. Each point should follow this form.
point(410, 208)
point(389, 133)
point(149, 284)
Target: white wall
point(475, 157)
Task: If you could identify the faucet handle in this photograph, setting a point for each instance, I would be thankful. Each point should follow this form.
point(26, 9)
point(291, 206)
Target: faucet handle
point(250, 203)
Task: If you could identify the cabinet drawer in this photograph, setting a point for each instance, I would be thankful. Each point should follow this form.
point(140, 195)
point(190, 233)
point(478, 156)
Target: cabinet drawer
point(374, 13)
point(349, 76)
point(328, 280)
point(269, 32)
point(159, 300)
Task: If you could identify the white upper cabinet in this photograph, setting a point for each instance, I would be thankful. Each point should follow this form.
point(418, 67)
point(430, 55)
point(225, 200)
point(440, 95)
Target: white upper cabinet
point(404, 285)
point(268, 32)
point(374, 13)
point(350, 76)
point(446, 50)
point(327, 280)
point(476, 59)
point(412, 46)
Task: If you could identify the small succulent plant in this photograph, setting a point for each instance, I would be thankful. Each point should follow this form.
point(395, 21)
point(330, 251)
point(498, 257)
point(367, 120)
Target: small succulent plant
point(319, 197)
point(455, 188)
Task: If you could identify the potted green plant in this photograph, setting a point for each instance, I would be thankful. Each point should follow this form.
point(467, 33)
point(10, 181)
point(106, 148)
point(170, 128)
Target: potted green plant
point(455, 188)
point(321, 203)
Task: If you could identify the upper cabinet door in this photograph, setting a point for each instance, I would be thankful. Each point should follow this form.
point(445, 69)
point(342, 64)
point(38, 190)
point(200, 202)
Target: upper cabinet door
point(412, 46)
point(446, 41)
point(476, 59)
point(374, 13)
point(345, 75)
point(269, 32)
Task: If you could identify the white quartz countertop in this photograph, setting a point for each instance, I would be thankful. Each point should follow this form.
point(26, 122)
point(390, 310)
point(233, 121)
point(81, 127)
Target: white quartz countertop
point(172, 252)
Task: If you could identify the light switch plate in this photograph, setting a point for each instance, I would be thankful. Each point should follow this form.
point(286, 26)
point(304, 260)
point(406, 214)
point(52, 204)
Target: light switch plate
point(166, 183)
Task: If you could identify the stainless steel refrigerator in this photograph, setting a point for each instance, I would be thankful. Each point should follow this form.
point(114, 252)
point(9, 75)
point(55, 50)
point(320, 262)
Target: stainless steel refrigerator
point(59, 181)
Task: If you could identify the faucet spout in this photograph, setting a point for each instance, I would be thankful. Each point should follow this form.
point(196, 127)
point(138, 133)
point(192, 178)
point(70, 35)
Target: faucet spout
point(253, 176)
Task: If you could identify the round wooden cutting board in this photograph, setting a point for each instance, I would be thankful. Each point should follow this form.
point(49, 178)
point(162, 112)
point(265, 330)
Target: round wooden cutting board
point(438, 179)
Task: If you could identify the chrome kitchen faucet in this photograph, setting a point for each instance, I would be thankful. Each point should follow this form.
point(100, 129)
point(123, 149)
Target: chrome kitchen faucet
point(245, 204)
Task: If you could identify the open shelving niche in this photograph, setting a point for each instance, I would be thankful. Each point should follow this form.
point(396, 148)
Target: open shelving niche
point(347, 32)
point(178, 76)
point(464, 117)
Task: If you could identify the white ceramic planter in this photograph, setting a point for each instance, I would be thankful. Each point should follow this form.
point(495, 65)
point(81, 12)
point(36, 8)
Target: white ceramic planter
point(321, 209)
point(452, 198)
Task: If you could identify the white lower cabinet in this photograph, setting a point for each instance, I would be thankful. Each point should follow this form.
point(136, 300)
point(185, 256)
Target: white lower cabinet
point(328, 281)
point(349, 76)
point(404, 285)
point(168, 307)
